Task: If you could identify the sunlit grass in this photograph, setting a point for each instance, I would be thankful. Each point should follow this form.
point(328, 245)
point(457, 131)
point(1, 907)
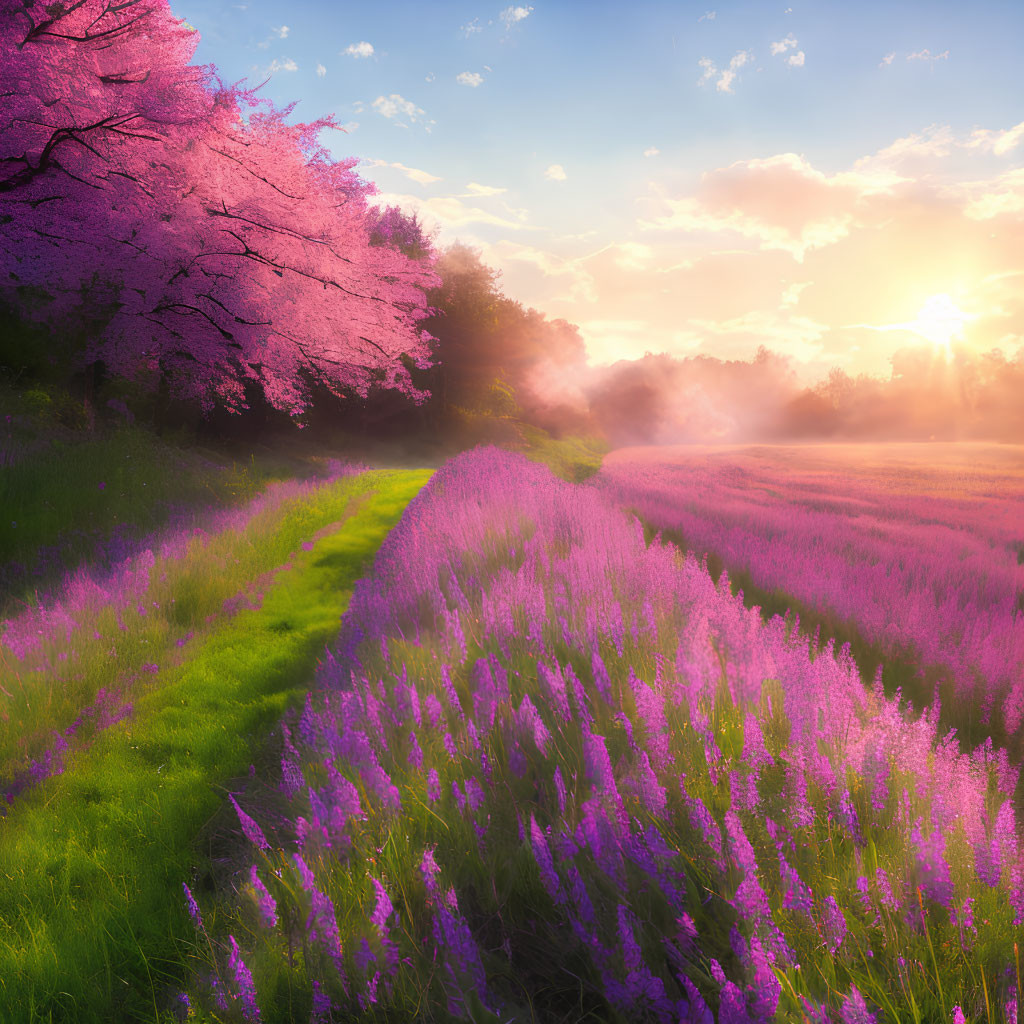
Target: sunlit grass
point(91, 915)
point(102, 642)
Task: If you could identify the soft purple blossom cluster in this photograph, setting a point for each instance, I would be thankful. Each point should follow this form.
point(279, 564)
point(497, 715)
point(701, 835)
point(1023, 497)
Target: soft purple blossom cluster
point(543, 748)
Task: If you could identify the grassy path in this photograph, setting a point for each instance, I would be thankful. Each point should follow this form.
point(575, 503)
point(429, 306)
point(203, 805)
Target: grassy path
point(91, 907)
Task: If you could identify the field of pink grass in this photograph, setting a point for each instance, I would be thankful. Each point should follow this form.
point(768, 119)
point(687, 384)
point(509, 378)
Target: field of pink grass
point(554, 772)
point(918, 547)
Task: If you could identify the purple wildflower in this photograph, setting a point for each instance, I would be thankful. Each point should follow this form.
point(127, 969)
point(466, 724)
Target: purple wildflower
point(554, 688)
point(533, 725)
point(433, 785)
point(452, 934)
point(560, 789)
point(364, 957)
point(450, 746)
point(732, 1007)
point(542, 855)
point(599, 765)
point(750, 900)
point(321, 925)
point(653, 795)
point(266, 903)
point(932, 865)
point(474, 793)
point(250, 829)
point(797, 895)
point(434, 711)
point(834, 924)
point(244, 985)
point(848, 816)
point(742, 851)
point(415, 751)
point(601, 679)
point(460, 797)
point(193, 907)
point(429, 869)
point(889, 901)
point(322, 1005)
point(698, 1011)
point(855, 1010)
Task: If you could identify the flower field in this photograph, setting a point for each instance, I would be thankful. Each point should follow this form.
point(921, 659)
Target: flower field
point(551, 771)
point(132, 704)
point(918, 548)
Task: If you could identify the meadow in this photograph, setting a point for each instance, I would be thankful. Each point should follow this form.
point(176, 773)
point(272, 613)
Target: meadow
point(912, 552)
point(552, 767)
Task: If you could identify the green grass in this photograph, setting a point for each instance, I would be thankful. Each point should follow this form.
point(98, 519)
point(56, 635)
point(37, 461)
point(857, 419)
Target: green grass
point(76, 491)
point(572, 458)
point(118, 632)
point(92, 917)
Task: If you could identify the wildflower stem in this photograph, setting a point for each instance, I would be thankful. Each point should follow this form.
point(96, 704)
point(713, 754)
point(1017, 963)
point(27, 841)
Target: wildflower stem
point(935, 964)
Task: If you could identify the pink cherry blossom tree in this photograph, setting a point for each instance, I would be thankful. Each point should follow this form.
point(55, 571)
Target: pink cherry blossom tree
point(215, 242)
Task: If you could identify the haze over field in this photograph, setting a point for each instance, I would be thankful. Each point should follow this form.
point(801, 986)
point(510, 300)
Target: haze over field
point(837, 183)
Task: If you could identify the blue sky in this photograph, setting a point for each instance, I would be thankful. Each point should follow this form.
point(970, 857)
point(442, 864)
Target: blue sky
point(727, 153)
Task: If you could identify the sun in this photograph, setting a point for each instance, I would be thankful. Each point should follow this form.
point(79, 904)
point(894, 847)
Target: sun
point(940, 321)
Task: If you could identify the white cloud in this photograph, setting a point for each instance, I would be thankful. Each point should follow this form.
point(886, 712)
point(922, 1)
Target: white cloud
point(285, 64)
point(780, 202)
point(350, 126)
point(791, 296)
point(476, 189)
point(907, 156)
point(796, 60)
point(393, 105)
point(632, 255)
point(470, 78)
point(783, 45)
point(430, 77)
point(928, 55)
point(555, 173)
point(728, 76)
point(651, 151)
point(320, 71)
point(887, 59)
point(999, 196)
point(470, 27)
point(363, 49)
point(511, 15)
point(282, 32)
point(998, 142)
point(707, 16)
point(412, 173)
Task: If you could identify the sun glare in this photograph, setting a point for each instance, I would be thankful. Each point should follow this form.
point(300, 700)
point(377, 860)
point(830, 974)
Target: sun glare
point(940, 321)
